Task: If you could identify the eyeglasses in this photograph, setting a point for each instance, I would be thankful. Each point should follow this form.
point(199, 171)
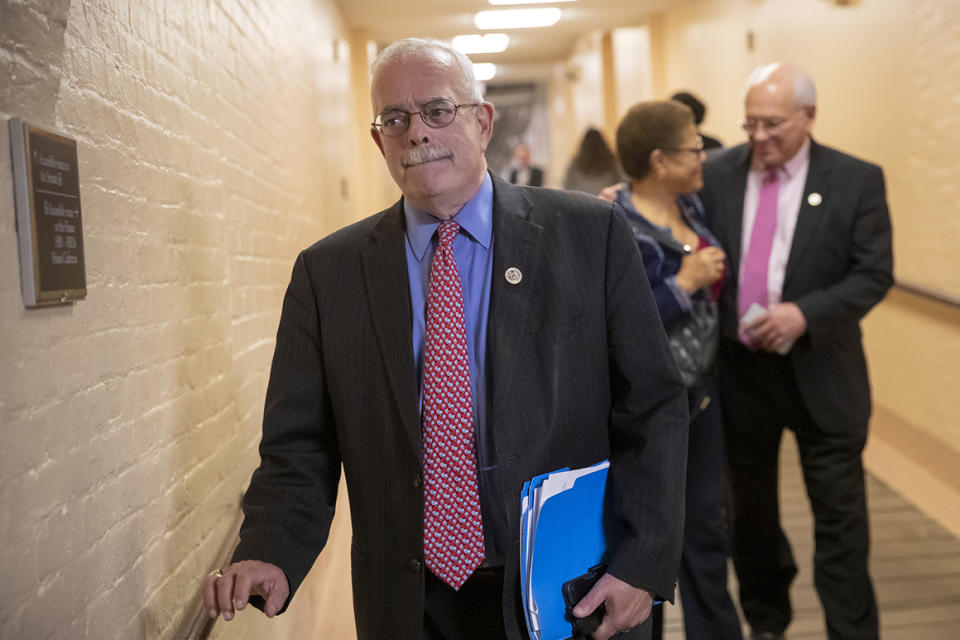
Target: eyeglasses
point(697, 149)
point(436, 114)
point(770, 125)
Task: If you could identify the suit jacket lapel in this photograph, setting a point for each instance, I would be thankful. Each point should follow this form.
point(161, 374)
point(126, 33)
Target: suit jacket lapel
point(810, 217)
point(388, 292)
point(516, 244)
point(733, 206)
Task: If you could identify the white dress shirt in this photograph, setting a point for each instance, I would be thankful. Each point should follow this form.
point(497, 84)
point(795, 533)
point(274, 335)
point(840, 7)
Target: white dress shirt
point(793, 178)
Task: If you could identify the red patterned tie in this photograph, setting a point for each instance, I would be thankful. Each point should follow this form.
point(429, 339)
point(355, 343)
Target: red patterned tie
point(452, 529)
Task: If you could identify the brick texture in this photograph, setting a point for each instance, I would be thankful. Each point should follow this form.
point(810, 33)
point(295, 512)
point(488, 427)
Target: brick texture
point(212, 142)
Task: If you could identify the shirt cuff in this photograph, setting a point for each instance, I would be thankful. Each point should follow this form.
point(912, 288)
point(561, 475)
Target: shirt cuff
point(681, 295)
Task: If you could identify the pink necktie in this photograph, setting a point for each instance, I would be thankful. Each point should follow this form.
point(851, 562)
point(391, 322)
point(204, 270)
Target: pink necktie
point(452, 529)
point(753, 271)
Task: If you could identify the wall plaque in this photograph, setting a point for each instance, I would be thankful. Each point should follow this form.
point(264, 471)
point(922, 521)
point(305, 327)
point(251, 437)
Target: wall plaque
point(46, 186)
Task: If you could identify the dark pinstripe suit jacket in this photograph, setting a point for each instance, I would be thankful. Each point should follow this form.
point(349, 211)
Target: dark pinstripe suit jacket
point(579, 371)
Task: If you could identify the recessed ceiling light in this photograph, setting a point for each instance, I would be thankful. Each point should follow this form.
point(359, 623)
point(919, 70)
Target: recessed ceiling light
point(528, 1)
point(517, 18)
point(484, 71)
point(476, 43)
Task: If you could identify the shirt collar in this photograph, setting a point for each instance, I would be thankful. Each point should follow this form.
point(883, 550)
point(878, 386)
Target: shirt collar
point(475, 218)
point(685, 202)
point(799, 159)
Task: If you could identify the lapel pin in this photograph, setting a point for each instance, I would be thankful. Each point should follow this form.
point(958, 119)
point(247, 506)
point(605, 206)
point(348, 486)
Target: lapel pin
point(814, 199)
point(513, 275)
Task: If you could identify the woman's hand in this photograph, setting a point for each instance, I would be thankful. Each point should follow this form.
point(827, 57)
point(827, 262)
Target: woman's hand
point(609, 193)
point(701, 269)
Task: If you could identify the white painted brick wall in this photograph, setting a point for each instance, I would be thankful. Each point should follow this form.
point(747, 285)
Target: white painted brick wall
point(211, 141)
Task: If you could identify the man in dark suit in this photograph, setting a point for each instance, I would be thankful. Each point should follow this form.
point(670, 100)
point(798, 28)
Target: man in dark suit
point(552, 355)
point(521, 171)
point(699, 113)
point(808, 234)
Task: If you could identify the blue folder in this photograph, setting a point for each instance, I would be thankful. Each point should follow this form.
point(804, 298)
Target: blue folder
point(561, 538)
point(530, 506)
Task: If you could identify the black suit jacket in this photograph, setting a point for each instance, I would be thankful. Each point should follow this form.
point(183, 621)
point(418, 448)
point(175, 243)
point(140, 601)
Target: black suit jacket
point(536, 177)
point(840, 265)
point(580, 371)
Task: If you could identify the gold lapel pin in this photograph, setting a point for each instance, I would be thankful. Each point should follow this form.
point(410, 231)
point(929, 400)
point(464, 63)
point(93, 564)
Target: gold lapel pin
point(513, 275)
point(814, 199)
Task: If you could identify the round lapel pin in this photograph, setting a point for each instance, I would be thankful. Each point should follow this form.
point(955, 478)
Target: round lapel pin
point(513, 275)
point(814, 199)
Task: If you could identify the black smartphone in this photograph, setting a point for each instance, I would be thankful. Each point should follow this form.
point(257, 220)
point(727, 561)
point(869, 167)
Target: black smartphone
point(573, 592)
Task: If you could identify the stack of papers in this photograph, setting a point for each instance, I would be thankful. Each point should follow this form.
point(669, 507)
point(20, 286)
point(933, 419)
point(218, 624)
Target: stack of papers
point(561, 537)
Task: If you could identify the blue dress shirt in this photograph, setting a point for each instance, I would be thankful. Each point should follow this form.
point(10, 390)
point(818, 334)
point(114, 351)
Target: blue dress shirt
point(473, 252)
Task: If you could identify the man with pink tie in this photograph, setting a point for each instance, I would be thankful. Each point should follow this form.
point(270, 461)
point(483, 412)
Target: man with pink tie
point(808, 234)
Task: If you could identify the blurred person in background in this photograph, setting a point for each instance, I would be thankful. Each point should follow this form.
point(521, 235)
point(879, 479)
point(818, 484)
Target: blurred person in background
point(699, 112)
point(661, 153)
point(594, 167)
point(521, 171)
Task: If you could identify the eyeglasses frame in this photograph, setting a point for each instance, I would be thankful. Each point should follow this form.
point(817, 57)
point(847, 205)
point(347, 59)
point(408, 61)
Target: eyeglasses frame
point(762, 124)
point(409, 117)
point(697, 149)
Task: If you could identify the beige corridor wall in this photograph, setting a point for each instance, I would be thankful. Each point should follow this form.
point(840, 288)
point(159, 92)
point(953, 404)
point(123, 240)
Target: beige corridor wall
point(578, 101)
point(214, 140)
point(888, 76)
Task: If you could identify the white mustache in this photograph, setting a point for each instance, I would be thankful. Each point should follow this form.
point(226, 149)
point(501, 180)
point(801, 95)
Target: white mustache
point(424, 154)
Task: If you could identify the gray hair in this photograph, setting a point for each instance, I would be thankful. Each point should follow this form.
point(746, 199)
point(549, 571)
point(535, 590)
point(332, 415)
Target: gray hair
point(442, 52)
point(804, 91)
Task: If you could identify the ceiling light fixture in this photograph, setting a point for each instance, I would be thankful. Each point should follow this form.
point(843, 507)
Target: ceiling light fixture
point(517, 18)
point(484, 71)
point(495, 2)
point(476, 43)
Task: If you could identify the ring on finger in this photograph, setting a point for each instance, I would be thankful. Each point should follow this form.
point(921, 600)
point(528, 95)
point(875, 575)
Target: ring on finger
point(217, 574)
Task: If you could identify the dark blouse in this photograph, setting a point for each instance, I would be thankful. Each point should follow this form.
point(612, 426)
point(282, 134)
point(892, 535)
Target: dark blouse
point(663, 254)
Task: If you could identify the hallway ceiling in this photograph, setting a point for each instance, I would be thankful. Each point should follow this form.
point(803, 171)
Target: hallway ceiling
point(531, 50)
